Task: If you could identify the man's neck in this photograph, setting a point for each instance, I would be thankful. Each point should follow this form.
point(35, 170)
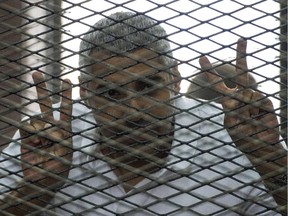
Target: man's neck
point(132, 167)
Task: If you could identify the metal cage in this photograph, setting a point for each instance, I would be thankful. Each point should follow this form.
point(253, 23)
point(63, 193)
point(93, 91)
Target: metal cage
point(143, 127)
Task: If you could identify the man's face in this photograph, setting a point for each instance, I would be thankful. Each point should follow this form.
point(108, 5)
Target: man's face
point(131, 98)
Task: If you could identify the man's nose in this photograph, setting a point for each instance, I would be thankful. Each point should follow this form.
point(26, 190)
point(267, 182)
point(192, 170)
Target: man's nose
point(135, 103)
point(136, 109)
point(133, 98)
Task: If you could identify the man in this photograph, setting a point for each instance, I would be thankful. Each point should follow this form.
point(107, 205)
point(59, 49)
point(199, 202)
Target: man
point(133, 146)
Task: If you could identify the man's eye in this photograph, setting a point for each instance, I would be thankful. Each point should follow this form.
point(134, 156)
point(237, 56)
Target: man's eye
point(143, 86)
point(112, 93)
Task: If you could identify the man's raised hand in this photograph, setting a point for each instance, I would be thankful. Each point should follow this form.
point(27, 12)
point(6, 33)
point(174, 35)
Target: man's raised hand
point(249, 115)
point(46, 143)
point(252, 124)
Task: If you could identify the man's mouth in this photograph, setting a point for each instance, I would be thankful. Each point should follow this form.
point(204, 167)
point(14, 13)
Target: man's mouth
point(139, 134)
point(135, 133)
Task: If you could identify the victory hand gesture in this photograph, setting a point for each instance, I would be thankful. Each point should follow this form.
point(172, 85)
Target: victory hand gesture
point(249, 115)
point(46, 143)
point(252, 124)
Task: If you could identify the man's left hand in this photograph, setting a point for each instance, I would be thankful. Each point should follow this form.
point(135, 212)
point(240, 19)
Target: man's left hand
point(249, 115)
point(252, 124)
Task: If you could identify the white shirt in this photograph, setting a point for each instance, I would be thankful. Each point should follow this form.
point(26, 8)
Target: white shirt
point(205, 173)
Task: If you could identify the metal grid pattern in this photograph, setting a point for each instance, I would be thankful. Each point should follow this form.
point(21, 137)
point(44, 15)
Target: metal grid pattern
point(147, 128)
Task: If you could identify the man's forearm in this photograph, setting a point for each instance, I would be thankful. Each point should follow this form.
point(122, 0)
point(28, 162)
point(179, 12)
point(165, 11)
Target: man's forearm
point(271, 164)
point(25, 199)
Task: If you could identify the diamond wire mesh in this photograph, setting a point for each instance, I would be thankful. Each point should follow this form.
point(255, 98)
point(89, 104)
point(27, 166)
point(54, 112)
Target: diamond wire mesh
point(149, 153)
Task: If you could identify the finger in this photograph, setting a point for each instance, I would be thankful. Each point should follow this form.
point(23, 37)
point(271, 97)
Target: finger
point(26, 130)
point(245, 104)
point(236, 110)
point(29, 137)
point(255, 108)
point(66, 104)
point(52, 135)
point(241, 63)
point(213, 77)
point(251, 106)
point(261, 105)
point(44, 100)
point(37, 122)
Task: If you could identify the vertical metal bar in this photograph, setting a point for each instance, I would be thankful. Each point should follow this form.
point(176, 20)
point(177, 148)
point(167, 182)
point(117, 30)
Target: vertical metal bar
point(53, 69)
point(283, 67)
point(9, 69)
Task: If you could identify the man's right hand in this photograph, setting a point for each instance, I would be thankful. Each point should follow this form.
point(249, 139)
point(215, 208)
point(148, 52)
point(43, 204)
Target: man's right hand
point(46, 143)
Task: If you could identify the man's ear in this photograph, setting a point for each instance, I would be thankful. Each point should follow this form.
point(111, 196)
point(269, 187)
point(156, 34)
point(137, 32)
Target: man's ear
point(176, 79)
